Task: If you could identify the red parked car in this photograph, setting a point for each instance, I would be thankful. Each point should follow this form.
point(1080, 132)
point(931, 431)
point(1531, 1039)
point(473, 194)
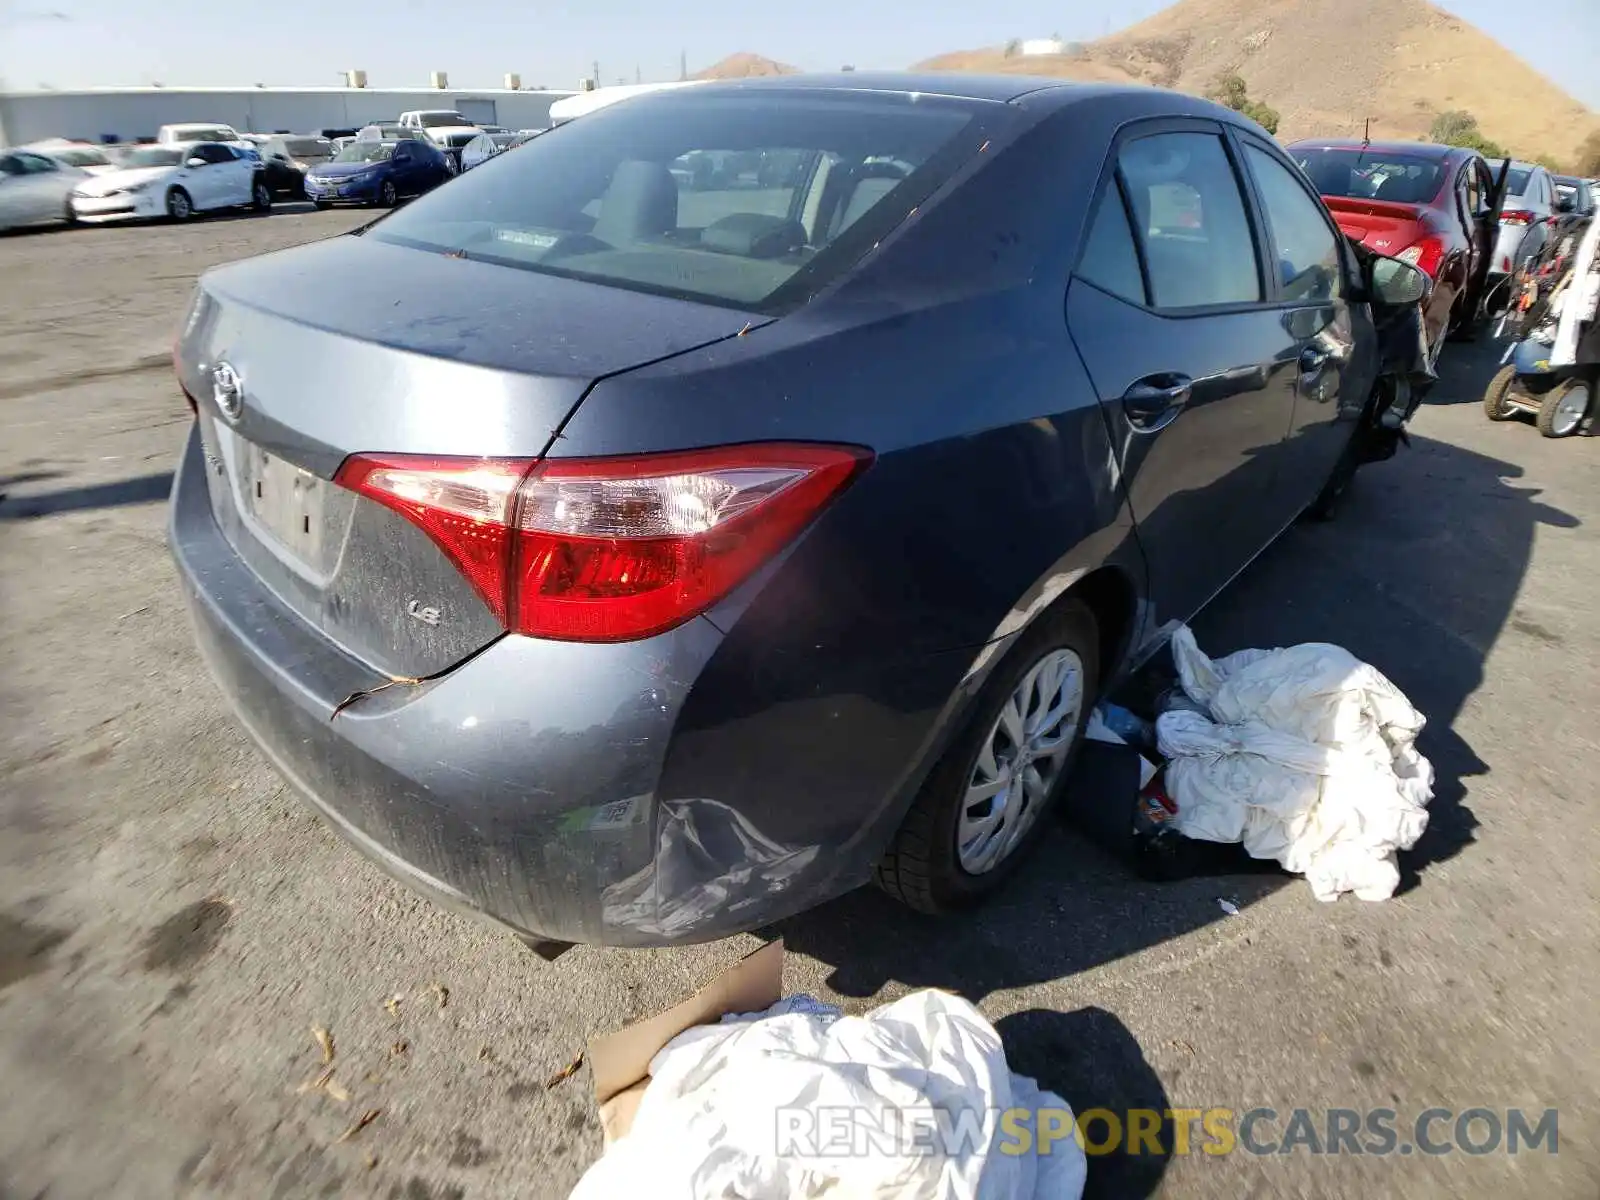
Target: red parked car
point(1427, 204)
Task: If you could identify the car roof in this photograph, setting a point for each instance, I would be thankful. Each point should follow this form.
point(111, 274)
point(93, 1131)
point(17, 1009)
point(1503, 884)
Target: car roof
point(1419, 149)
point(998, 88)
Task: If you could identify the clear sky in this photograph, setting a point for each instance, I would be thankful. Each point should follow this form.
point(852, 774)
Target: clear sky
point(300, 42)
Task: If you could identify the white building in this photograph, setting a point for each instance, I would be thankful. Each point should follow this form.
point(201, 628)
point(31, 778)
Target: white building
point(126, 114)
point(1032, 47)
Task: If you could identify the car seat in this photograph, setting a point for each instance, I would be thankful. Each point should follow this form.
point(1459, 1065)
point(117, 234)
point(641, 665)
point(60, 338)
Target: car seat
point(640, 202)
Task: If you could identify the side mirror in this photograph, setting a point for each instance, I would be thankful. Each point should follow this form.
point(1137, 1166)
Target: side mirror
point(1566, 204)
point(1398, 283)
point(196, 161)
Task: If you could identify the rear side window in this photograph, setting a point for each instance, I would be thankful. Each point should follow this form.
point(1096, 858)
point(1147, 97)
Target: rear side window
point(749, 200)
point(1191, 219)
point(1307, 252)
point(1110, 259)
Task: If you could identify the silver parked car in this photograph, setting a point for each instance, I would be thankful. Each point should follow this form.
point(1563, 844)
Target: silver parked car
point(1526, 222)
point(35, 189)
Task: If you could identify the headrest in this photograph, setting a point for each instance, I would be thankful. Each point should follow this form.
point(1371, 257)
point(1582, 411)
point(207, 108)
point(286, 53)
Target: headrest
point(641, 202)
point(753, 235)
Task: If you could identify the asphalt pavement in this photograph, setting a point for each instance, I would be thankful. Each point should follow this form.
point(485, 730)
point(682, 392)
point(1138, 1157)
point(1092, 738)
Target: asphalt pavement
point(174, 923)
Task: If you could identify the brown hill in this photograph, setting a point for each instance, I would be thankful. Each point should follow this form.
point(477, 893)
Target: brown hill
point(1327, 67)
point(745, 66)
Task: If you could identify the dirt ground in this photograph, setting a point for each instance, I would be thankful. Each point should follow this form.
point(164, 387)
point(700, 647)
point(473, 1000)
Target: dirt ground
point(173, 923)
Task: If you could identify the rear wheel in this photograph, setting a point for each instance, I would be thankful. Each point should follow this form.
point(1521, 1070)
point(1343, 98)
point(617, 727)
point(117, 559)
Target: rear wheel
point(1564, 408)
point(179, 206)
point(983, 805)
point(387, 196)
point(1494, 397)
point(322, 205)
point(261, 197)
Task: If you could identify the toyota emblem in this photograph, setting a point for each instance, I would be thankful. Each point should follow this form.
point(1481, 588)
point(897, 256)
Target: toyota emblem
point(227, 389)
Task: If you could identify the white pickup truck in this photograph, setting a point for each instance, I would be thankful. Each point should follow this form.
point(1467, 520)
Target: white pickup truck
point(444, 127)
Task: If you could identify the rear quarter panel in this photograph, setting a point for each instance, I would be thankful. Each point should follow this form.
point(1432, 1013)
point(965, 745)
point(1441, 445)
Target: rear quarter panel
point(849, 662)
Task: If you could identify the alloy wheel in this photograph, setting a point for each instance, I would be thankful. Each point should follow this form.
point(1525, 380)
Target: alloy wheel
point(1020, 761)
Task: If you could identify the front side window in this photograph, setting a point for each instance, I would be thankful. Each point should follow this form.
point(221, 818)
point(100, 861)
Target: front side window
point(753, 201)
point(36, 164)
point(83, 158)
point(1473, 192)
point(1306, 249)
point(1190, 216)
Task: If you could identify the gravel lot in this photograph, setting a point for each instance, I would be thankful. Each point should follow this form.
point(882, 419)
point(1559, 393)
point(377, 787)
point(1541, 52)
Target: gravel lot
point(173, 923)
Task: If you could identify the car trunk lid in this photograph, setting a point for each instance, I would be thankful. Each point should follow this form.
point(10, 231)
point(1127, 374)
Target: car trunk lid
point(298, 360)
point(1386, 226)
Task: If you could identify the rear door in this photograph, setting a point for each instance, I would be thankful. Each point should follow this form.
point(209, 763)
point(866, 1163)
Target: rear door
point(1190, 356)
point(1335, 362)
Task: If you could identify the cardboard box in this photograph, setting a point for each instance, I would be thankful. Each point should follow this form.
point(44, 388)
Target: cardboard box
point(620, 1062)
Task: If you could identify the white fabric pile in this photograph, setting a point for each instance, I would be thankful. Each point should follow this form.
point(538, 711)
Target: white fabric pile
point(905, 1103)
point(1307, 757)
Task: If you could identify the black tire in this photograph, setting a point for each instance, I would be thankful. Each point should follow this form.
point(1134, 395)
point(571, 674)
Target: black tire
point(1554, 424)
point(1494, 396)
point(261, 197)
point(921, 867)
point(180, 206)
point(387, 196)
point(323, 205)
point(70, 214)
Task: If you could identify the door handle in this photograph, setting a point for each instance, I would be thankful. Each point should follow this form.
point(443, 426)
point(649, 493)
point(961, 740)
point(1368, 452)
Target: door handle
point(1155, 401)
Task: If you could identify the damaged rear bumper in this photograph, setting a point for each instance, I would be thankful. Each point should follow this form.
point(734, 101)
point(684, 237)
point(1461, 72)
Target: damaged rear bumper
point(568, 791)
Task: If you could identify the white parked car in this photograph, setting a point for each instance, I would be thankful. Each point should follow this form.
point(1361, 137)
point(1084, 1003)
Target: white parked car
point(35, 189)
point(197, 131)
point(174, 181)
point(86, 156)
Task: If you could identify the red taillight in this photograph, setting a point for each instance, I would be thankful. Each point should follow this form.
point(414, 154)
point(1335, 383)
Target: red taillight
point(1425, 253)
point(606, 550)
point(1516, 216)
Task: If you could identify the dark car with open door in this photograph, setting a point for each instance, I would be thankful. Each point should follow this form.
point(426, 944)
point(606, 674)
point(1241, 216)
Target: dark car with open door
point(638, 559)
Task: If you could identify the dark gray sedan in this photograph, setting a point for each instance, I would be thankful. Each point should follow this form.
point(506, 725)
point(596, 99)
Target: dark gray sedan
point(636, 553)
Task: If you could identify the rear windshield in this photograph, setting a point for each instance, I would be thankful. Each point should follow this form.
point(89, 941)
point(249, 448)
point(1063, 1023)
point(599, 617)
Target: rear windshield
point(82, 158)
point(203, 133)
point(1517, 181)
point(436, 120)
point(308, 147)
point(152, 156)
point(752, 201)
point(1369, 175)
